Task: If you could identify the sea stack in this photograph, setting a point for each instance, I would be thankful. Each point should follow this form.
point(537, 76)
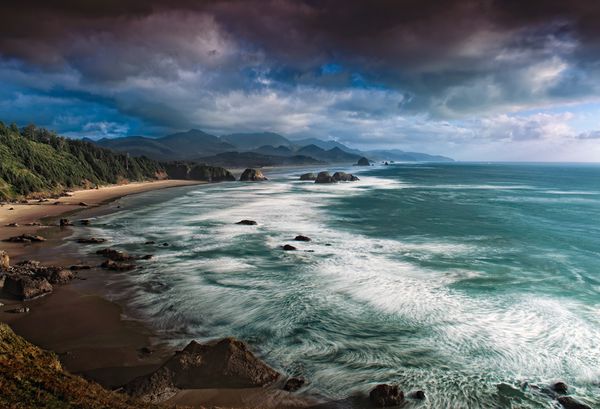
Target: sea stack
point(252, 175)
point(363, 162)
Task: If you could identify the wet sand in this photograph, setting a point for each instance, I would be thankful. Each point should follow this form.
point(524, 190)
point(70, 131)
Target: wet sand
point(91, 335)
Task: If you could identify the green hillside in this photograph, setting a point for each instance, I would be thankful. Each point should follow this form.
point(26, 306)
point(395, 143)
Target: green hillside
point(36, 160)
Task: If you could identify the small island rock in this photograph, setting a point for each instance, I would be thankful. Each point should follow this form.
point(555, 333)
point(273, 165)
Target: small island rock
point(301, 238)
point(252, 175)
point(246, 222)
point(308, 176)
point(363, 162)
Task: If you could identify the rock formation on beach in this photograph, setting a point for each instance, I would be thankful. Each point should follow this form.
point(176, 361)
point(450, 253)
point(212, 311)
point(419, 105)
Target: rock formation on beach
point(225, 363)
point(26, 238)
point(252, 175)
point(363, 162)
point(30, 279)
point(308, 176)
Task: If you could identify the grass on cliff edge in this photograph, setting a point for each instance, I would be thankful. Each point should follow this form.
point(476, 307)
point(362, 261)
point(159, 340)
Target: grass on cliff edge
point(31, 377)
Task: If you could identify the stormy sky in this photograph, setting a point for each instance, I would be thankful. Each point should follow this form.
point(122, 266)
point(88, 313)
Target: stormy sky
point(475, 80)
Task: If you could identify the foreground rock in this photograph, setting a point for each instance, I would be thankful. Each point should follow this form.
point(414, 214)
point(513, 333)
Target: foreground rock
point(247, 222)
point(225, 363)
point(363, 162)
point(115, 255)
point(26, 238)
point(30, 279)
point(252, 175)
point(308, 176)
point(114, 266)
point(386, 395)
point(293, 384)
point(571, 403)
point(560, 387)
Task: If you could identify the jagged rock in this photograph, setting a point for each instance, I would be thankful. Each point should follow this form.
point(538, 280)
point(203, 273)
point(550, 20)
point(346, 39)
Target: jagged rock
point(420, 395)
point(386, 163)
point(54, 274)
point(344, 177)
point(386, 395)
point(252, 175)
point(113, 265)
point(91, 240)
point(225, 363)
point(26, 238)
point(4, 260)
point(324, 177)
point(65, 222)
point(289, 247)
point(247, 222)
point(569, 402)
point(363, 162)
point(293, 384)
point(301, 238)
point(308, 176)
point(114, 255)
point(26, 287)
point(560, 387)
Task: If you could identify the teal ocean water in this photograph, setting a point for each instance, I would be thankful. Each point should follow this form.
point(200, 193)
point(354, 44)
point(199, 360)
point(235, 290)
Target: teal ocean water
point(477, 283)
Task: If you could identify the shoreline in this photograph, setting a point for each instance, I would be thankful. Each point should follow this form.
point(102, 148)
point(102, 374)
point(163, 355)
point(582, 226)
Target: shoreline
point(90, 334)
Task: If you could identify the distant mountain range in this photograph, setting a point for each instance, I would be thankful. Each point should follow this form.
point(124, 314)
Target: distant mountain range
point(251, 149)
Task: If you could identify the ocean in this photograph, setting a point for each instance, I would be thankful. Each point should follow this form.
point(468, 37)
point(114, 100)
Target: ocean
point(477, 283)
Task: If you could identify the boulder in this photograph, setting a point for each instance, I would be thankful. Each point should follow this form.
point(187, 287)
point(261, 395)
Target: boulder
point(26, 238)
point(12, 225)
point(54, 274)
point(301, 238)
point(252, 175)
point(560, 387)
point(308, 176)
point(4, 260)
point(386, 395)
point(363, 162)
point(90, 240)
point(247, 222)
point(113, 265)
point(324, 177)
point(289, 247)
point(419, 395)
point(26, 287)
point(344, 177)
point(114, 255)
point(225, 363)
point(293, 384)
point(569, 402)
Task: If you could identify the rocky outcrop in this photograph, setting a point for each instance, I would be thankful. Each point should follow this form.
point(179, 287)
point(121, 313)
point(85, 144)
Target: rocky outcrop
point(301, 238)
point(252, 175)
point(325, 177)
point(560, 387)
point(288, 247)
point(308, 176)
point(225, 363)
point(246, 222)
point(115, 266)
point(115, 255)
point(91, 240)
point(180, 170)
point(293, 384)
point(26, 238)
point(30, 279)
point(363, 162)
point(569, 402)
point(386, 395)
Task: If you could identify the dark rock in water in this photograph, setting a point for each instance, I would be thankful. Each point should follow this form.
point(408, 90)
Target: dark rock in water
point(289, 247)
point(252, 175)
point(386, 163)
point(146, 256)
point(145, 351)
point(26, 287)
point(571, 403)
point(65, 222)
point(165, 244)
point(77, 267)
point(420, 395)
point(113, 265)
point(247, 222)
point(225, 363)
point(386, 395)
point(293, 384)
point(344, 177)
point(363, 162)
point(19, 310)
point(308, 176)
point(83, 204)
point(150, 242)
point(91, 240)
point(85, 222)
point(560, 387)
point(115, 255)
point(324, 177)
point(26, 238)
point(301, 238)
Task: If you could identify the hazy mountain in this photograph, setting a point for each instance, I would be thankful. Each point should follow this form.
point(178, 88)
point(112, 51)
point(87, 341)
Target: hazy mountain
point(333, 155)
point(253, 159)
point(195, 143)
point(402, 156)
point(329, 144)
point(138, 146)
point(250, 141)
point(271, 150)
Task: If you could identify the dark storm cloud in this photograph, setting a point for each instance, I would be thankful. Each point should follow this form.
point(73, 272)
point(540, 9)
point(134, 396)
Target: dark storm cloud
point(336, 68)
